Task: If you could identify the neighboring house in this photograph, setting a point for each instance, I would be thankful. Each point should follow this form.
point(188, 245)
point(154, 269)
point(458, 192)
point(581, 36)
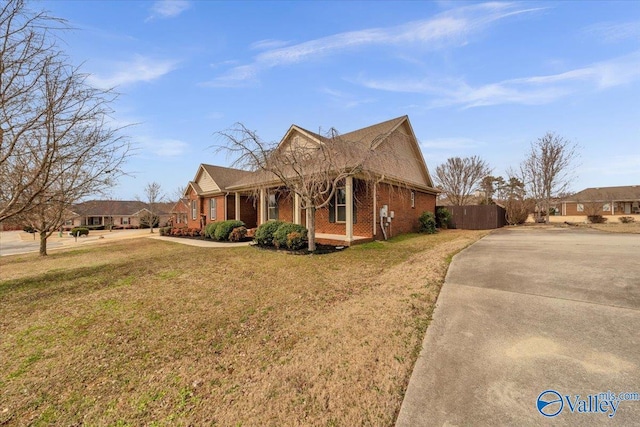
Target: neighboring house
point(361, 210)
point(180, 213)
point(115, 213)
point(624, 200)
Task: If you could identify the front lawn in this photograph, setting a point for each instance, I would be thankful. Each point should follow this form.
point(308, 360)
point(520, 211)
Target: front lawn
point(146, 332)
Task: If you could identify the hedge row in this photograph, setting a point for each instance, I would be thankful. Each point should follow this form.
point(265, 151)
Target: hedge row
point(231, 230)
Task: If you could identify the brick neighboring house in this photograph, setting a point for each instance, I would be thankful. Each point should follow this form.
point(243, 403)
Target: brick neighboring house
point(115, 213)
point(622, 200)
point(404, 190)
point(180, 213)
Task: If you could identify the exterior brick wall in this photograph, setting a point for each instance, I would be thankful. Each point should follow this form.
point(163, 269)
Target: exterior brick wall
point(397, 199)
point(405, 218)
point(193, 223)
point(571, 209)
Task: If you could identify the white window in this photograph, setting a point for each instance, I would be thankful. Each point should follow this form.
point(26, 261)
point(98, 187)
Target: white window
point(580, 207)
point(68, 222)
point(272, 213)
point(212, 209)
point(341, 204)
point(606, 207)
point(413, 199)
point(194, 208)
point(124, 220)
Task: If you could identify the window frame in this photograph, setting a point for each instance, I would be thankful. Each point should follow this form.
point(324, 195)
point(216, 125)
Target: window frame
point(272, 208)
point(213, 209)
point(194, 208)
point(579, 207)
point(413, 199)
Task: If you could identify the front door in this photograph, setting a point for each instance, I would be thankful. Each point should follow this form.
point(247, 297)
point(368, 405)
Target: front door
point(627, 208)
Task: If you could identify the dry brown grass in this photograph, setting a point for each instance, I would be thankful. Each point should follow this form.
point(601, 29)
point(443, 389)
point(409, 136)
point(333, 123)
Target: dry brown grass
point(144, 332)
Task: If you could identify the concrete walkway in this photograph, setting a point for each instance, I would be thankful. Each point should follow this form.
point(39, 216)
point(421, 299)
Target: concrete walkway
point(524, 311)
point(200, 243)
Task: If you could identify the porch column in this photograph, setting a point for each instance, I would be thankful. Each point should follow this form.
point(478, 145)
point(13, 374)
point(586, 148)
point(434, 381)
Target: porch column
point(263, 208)
point(237, 206)
point(296, 209)
point(348, 187)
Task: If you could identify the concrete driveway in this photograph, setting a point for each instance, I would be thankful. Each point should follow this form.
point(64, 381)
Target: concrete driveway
point(529, 310)
point(19, 242)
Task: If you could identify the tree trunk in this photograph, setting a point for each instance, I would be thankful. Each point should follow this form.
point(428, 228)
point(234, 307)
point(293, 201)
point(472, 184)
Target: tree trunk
point(43, 243)
point(311, 228)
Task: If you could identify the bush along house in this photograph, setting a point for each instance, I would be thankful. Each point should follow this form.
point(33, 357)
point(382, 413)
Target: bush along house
point(382, 196)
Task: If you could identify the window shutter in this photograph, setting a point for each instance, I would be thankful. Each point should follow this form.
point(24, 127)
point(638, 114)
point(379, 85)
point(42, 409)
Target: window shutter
point(332, 210)
point(355, 211)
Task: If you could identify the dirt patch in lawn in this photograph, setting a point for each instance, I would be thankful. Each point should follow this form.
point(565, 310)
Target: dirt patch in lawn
point(146, 332)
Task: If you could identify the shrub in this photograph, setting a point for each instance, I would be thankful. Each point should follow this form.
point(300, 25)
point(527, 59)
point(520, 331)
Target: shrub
point(224, 229)
point(264, 233)
point(297, 241)
point(281, 236)
point(237, 234)
point(28, 229)
point(79, 231)
point(596, 219)
point(427, 222)
point(626, 219)
point(443, 217)
point(210, 230)
point(517, 211)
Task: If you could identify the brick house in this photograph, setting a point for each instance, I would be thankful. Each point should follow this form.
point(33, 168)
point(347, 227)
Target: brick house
point(114, 213)
point(362, 209)
point(622, 200)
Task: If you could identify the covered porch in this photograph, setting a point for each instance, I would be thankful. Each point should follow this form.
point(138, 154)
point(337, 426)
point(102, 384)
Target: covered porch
point(275, 203)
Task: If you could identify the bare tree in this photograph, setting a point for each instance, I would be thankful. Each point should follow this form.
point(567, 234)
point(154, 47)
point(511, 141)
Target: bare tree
point(548, 169)
point(54, 135)
point(153, 196)
point(460, 177)
point(311, 170)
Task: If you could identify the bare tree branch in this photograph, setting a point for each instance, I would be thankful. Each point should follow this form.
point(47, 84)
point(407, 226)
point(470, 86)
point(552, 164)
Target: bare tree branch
point(460, 177)
point(548, 169)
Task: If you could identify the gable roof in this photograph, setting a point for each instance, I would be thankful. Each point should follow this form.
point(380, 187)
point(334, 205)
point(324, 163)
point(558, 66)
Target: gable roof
point(607, 194)
point(211, 179)
point(395, 136)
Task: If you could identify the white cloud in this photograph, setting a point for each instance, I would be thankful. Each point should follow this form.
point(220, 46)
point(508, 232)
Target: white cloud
point(160, 147)
point(138, 69)
point(534, 90)
point(613, 32)
point(168, 8)
point(267, 44)
point(450, 27)
point(345, 100)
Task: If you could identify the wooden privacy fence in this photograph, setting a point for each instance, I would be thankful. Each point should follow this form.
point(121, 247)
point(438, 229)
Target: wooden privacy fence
point(477, 217)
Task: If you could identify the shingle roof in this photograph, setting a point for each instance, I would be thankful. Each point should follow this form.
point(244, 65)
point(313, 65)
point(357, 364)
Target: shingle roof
point(116, 207)
point(598, 194)
point(406, 161)
point(225, 177)
point(368, 134)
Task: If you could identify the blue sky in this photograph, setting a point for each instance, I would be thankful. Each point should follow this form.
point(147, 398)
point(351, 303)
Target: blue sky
point(474, 78)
